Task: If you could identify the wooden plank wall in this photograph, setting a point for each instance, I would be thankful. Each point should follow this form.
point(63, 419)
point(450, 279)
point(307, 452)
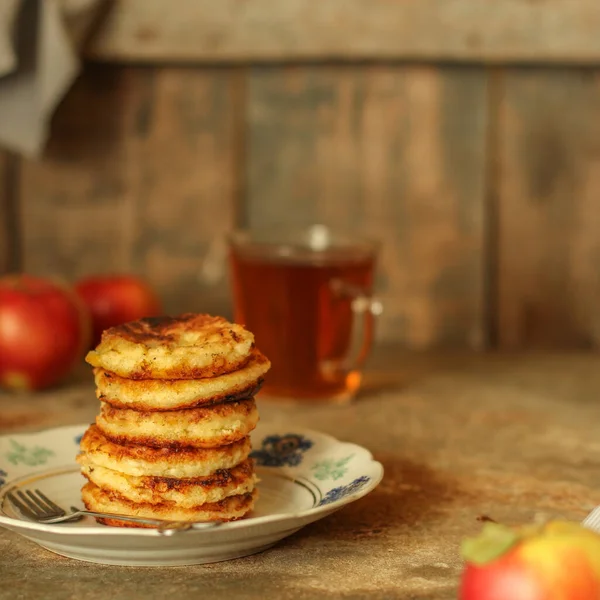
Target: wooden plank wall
point(206, 31)
point(138, 177)
point(481, 181)
point(147, 168)
point(396, 152)
point(548, 199)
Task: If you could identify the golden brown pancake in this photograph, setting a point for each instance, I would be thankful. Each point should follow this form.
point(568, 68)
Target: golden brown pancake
point(165, 394)
point(184, 493)
point(186, 347)
point(205, 427)
point(228, 509)
point(97, 449)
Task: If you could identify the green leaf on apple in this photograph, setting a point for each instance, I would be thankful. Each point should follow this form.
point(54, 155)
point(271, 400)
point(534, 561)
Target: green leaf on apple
point(494, 541)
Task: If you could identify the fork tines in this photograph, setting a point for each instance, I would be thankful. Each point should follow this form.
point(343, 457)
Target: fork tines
point(35, 504)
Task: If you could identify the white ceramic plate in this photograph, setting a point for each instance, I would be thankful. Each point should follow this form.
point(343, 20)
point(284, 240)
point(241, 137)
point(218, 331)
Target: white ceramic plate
point(304, 476)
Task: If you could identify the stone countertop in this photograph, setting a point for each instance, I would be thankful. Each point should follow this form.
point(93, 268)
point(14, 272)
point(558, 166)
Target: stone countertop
point(512, 437)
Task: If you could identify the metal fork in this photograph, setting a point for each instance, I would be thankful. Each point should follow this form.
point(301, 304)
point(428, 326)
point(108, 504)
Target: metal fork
point(592, 521)
point(36, 506)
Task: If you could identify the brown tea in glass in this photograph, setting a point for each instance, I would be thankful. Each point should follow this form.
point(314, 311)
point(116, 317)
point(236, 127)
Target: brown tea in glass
point(306, 296)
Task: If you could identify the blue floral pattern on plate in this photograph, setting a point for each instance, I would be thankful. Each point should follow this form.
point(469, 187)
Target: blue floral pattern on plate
point(78, 439)
point(344, 490)
point(282, 450)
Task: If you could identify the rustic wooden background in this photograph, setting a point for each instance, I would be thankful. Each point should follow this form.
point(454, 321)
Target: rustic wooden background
point(464, 134)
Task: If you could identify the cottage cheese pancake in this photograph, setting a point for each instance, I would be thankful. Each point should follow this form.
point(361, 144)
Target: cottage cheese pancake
point(205, 427)
point(98, 450)
point(228, 509)
point(186, 347)
point(163, 394)
point(185, 493)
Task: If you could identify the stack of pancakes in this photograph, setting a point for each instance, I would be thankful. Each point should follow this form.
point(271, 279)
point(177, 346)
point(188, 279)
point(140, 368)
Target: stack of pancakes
point(177, 407)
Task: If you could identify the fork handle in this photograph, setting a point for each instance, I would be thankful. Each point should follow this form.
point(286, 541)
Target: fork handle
point(163, 526)
point(129, 518)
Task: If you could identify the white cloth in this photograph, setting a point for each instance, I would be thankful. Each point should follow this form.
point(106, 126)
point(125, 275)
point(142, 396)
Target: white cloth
point(38, 63)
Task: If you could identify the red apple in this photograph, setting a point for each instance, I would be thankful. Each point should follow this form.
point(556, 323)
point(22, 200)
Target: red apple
point(116, 299)
point(44, 329)
point(556, 561)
